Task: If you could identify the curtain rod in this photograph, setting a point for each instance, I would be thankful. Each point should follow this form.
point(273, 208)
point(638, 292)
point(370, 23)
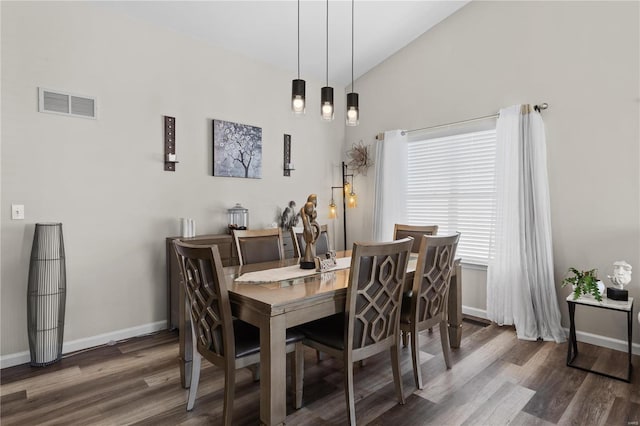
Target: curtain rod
point(538, 108)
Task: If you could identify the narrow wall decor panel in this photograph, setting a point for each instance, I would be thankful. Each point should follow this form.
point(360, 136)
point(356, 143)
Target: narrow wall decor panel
point(169, 144)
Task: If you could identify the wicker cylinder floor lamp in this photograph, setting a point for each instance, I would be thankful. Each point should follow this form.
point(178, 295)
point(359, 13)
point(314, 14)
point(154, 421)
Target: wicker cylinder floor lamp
point(46, 294)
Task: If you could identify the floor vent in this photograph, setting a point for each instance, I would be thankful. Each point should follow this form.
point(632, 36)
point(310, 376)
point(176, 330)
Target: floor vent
point(57, 102)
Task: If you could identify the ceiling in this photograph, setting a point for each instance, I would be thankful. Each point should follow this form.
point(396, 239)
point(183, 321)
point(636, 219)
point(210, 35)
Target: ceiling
point(267, 30)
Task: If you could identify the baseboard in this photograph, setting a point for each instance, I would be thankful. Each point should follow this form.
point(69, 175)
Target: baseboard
point(474, 312)
point(87, 343)
point(11, 360)
point(605, 342)
point(593, 339)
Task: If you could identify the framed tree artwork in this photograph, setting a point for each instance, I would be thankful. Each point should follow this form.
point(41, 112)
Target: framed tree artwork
point(237, 150)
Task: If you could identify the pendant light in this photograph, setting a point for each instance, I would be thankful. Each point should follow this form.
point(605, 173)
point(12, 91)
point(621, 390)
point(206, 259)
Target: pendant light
point(352, 200)
point(326, 93)
point(353, 112)
point(332, 208)
point(297, 85)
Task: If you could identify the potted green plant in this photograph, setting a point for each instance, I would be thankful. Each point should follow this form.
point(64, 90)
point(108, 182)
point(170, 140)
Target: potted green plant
point(584, 283)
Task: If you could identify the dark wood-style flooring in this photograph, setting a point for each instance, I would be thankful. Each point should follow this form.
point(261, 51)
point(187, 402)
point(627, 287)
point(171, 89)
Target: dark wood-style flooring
point(495, 380)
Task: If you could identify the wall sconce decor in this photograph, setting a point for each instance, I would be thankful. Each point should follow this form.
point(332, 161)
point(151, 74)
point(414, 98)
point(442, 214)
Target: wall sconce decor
point(360, 159)
point(170, 144)
point(349, 200)
point(288, 165)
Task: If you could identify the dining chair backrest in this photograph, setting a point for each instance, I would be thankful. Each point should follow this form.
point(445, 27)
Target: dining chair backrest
point(223, 340)
point(208, 298)
point(370, 323)
point(323, 245)
point(260, 245)
point(374, 296)
point(425, 306)
point(415, 231)
point(432, 276)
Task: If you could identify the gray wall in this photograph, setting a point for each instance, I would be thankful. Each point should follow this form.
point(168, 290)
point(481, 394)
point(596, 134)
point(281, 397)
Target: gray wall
point(104, 179)
point(581, 58)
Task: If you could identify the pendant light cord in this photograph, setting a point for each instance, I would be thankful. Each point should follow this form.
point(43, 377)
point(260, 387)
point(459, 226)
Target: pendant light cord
point(327, 50)
point(299, 40)
point(352, 8)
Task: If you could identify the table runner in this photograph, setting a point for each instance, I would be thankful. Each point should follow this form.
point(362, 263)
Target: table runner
point(288, 272)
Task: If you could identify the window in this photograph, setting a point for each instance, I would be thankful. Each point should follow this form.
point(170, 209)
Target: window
point(450, 183)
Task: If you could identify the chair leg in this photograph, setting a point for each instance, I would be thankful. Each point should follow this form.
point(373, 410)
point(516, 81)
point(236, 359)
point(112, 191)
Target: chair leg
point(255, 372)
point(395, 366)
point(229, 391)
point(444, 339)
point(196, 363)
point(298, 374)
point(195, 379)
point(415, 357)
point(405, 339)
point(349, 392)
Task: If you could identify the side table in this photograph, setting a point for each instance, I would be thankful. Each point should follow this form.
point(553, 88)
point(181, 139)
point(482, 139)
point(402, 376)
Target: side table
point(572, 351)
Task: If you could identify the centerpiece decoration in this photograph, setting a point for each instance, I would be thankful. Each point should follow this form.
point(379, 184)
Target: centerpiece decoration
point(311, 231)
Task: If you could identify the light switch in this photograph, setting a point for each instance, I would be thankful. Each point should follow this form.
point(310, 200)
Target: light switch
point(17, 211)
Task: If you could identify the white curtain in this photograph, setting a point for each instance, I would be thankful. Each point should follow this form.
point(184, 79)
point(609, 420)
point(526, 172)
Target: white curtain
point(389, 206)
point(520, 284)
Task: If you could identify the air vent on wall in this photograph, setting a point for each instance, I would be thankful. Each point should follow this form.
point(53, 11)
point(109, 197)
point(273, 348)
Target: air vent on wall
point(57, 102)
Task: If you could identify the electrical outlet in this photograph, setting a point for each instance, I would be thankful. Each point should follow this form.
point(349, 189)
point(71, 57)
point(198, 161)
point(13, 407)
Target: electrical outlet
point(17, 211)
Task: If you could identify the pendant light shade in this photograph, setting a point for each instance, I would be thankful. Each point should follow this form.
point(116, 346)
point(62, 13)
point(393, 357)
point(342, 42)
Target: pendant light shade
point(326, 93)
point(297, 85)
point(352, 200)
point(298, 96)
point(347, 188)
point(326, 96)
point(353, 110)
point(332, 210)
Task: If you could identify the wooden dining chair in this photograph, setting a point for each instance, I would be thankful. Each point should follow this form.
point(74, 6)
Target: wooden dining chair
point(259, 245)
point(370, 323)
point(426, 306)
point(224, 341)
point(323, 245)
point(415, 231)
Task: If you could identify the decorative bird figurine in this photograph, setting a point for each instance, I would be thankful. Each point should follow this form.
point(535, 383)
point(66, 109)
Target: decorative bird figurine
point(290, 217)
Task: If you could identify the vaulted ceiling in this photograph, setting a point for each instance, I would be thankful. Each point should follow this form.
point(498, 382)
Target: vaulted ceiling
point(267, 30)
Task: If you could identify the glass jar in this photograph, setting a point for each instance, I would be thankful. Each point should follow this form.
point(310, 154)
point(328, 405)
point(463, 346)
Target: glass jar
point(238, 217)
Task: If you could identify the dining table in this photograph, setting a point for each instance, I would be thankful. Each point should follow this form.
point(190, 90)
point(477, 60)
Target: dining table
point(275, 300)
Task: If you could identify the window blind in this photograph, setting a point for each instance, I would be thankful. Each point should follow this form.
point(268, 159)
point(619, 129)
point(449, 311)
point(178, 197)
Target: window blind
point(451, 184)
